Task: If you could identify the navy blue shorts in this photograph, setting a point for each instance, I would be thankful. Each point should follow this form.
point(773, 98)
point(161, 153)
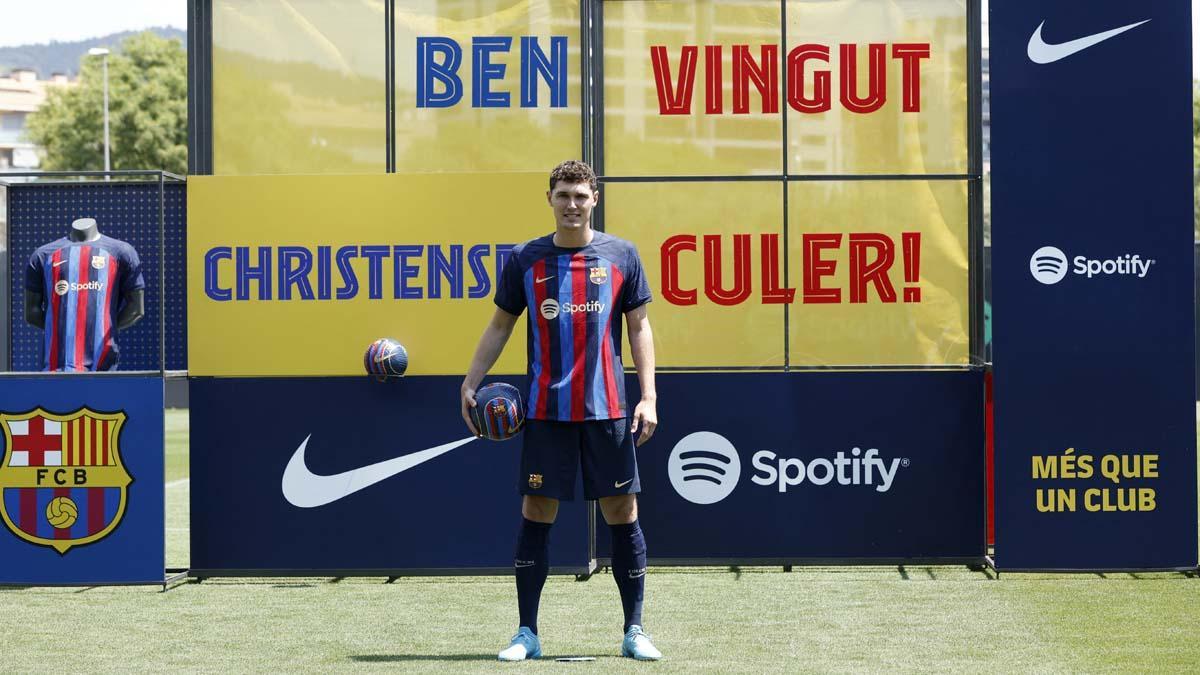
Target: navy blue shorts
point(550, 459)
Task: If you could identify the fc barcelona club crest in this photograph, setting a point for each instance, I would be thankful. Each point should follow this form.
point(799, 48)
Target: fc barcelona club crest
point(62, 481)
point(535, 480)
point(598, 275)
point(98, 261)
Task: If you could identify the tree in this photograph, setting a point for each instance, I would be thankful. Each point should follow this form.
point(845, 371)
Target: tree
point(147, 80)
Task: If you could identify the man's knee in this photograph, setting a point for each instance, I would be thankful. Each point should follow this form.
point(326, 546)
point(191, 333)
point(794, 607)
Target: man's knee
point(619, 510)
point(539, 509)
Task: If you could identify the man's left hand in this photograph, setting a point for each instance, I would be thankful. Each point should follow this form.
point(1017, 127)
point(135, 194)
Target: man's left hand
point(645, 417)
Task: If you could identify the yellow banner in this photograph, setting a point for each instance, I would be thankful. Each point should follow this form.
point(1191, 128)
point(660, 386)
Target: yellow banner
point(877, 87)
point(703, 87)
point(487, 86)
point(298, 87)
point(670, 105)
point(675, 225)
point(880, 270)
point(870, 272)
point(301, 87)
point(297, 275)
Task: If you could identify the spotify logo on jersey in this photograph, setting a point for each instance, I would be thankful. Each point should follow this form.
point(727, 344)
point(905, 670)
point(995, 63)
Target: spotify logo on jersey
point(704, 467)
point(62, 286)
point(550, 308)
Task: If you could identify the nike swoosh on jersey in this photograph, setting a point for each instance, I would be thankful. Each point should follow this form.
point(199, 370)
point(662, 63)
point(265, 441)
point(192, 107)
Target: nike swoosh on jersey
point(621, 485)
point(306, 489)
point(60, 262)
point(1040, 51)
point(538, 281)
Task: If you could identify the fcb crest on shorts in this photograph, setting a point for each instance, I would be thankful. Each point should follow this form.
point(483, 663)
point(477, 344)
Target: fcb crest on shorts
point(62, 481)
point(598, 275)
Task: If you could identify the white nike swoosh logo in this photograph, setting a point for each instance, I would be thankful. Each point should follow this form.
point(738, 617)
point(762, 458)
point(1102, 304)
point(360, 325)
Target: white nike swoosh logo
point(528, 564)
point(1041, 52)
point(60, 262)
point(621, 485)
point(538, 281)
point(306, 489)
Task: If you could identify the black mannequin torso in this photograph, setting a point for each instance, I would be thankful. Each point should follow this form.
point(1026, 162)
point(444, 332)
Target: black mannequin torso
point(84, 229)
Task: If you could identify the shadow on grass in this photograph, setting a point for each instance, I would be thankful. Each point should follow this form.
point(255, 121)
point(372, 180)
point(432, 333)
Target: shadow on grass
point(401, 658)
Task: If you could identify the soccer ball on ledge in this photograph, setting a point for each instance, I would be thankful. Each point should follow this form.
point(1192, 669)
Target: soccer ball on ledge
point(386, 358)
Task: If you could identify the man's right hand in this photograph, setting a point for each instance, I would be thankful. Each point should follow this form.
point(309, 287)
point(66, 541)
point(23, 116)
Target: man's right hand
point(468, 402)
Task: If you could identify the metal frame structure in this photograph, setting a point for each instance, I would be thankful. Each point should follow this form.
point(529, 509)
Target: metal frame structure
point(200, 146)
point(172, 576)
point(201, 574)
point(161, 178)
point(200, 87)
point(200, 52)
point(973, 177)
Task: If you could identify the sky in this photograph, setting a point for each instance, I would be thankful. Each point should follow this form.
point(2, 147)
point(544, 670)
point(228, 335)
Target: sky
point(35, 21)
point(29, 21)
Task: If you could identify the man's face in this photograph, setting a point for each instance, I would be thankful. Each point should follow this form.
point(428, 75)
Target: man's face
point(572, 204)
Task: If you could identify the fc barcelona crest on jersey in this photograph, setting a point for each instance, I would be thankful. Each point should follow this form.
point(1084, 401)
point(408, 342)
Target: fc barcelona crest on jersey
point(62, 481)
point(598, 275)
point(98, 261)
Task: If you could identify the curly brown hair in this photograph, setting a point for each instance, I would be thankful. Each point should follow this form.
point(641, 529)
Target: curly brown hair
point(573, 171)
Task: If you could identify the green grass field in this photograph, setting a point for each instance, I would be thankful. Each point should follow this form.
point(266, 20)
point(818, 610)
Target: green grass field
point(844, 619)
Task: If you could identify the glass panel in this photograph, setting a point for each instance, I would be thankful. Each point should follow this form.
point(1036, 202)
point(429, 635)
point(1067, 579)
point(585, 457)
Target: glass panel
point(667, 112)
point(298, 87)
point(707, 249)
point(904, 110)
point(881, 272)
point(487, 85)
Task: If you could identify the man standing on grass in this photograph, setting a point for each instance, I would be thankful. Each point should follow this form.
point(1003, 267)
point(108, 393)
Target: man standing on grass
point(576, 283)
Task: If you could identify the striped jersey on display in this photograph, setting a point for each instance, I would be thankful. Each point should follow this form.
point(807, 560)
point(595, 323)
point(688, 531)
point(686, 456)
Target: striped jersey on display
point(576, 299)
point(83, 283)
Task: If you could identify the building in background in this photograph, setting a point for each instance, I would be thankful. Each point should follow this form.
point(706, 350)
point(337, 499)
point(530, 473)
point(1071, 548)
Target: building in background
point(21, 93)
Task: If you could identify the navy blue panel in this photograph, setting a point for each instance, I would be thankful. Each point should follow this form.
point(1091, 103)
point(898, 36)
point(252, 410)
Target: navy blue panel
point(1092, 276)
point(134, 551)
point(926, 428)
point(38, 214)
point(458, 510)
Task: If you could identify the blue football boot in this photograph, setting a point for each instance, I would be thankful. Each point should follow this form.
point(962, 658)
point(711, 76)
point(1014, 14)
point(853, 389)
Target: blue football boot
point(524, 645)
point(637, 645)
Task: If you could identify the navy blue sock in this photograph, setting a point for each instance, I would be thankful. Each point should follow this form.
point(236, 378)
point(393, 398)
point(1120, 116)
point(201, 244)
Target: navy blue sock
point(532, 565)
point(629, 569)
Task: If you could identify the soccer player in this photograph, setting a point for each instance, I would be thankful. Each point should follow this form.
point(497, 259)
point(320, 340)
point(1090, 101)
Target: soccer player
point(577, 284)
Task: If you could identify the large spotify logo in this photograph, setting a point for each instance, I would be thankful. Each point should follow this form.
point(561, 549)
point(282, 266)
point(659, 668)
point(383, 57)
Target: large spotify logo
point(704, 467)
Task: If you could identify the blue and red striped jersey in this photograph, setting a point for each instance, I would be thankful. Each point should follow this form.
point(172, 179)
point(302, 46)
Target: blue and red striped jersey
point(576, 299)
point(84, 283)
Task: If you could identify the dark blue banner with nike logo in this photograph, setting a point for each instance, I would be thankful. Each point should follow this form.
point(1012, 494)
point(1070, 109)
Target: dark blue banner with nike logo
point(350, 475)
point(1092, 285)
